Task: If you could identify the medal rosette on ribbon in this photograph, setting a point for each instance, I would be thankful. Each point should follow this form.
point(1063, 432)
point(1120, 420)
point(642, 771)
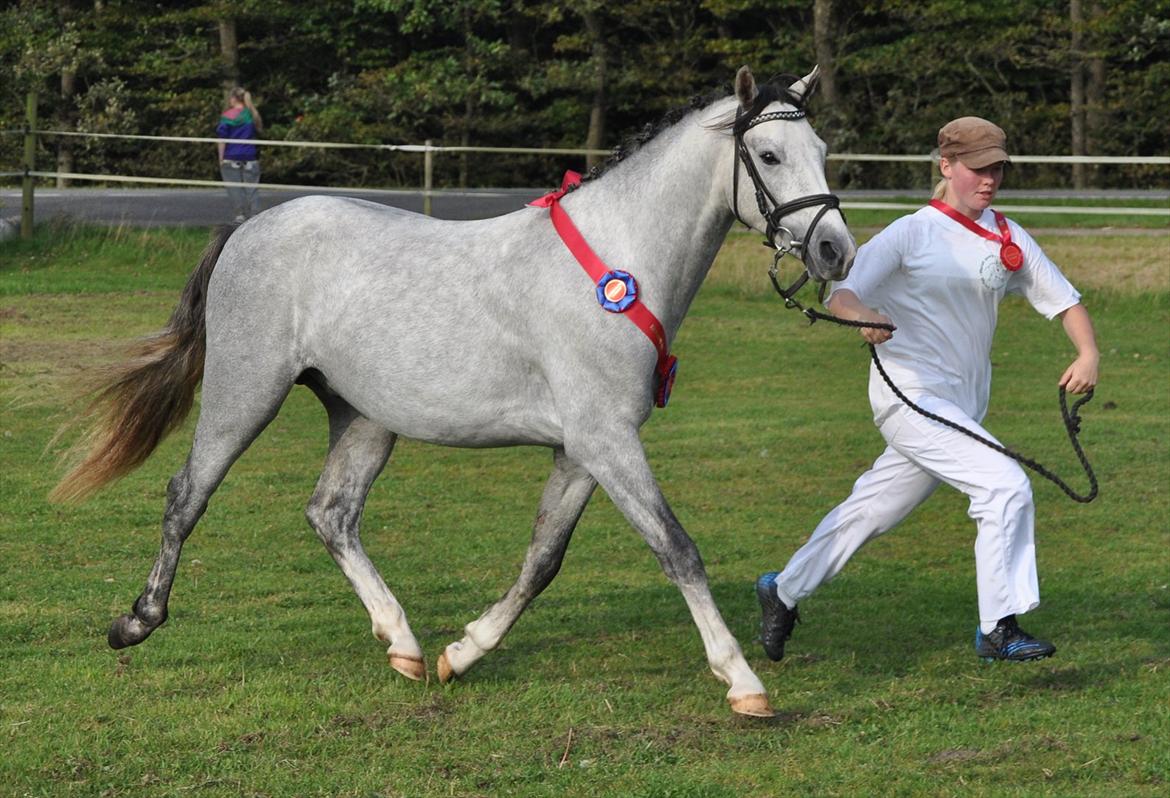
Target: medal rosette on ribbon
point(617, 290)
point(1010, 254)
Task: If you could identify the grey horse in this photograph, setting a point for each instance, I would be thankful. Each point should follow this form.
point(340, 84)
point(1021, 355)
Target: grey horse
point(473, 333)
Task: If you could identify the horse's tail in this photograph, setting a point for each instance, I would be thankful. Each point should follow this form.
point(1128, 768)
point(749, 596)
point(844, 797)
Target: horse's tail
point(137, 403)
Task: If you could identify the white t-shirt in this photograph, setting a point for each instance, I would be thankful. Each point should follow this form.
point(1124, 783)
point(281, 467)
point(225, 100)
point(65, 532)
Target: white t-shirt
point(941, 285)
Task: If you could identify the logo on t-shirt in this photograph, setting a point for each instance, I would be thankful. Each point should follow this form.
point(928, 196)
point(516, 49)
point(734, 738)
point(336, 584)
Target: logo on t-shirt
point(992, 273)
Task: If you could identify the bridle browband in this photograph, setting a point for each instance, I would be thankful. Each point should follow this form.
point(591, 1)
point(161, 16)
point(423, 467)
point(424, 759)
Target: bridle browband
point(778, 237)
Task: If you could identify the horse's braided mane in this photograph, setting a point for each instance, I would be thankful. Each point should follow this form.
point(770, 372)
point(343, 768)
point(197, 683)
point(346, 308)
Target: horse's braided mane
point(776, 90)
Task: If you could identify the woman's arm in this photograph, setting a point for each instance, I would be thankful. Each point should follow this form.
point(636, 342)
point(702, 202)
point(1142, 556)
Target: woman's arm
point(847, 305)
point(256, 120)
point(1081, 376)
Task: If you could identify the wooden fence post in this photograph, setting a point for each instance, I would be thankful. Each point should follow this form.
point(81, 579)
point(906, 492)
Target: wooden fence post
point(30, 165)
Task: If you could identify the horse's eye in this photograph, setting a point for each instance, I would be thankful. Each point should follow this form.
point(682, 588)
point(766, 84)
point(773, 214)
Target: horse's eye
point(769, 158)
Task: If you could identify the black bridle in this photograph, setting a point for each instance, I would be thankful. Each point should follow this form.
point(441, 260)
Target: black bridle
point(779, 237)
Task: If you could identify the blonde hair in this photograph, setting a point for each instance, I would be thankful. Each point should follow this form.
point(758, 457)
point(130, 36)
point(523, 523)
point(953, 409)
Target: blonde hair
point(240, 94)
point(940, 188)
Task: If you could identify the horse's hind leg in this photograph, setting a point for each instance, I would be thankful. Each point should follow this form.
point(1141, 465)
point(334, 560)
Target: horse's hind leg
point(229, 420)
point(565, 496)
point(358, 451)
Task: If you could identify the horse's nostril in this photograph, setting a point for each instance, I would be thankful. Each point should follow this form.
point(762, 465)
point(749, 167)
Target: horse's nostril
point(830, 254)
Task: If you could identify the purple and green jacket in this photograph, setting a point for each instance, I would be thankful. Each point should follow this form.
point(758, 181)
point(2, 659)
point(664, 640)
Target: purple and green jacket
point(237, 124)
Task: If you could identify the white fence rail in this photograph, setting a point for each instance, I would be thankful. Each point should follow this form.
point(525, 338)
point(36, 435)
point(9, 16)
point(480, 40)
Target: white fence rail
point(428, 151)
point(1148, 160)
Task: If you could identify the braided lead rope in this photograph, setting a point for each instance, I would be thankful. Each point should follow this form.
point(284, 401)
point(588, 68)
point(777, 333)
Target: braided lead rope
point(1072, 419)
point(1072, 423)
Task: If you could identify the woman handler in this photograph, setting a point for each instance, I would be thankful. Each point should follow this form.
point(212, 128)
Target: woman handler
point(939, 275)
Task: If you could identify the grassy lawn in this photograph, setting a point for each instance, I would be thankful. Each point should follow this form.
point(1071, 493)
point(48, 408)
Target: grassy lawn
point(266, 681)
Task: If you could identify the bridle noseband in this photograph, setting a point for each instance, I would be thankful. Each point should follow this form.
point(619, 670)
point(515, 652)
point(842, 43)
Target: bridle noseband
point(778, 237)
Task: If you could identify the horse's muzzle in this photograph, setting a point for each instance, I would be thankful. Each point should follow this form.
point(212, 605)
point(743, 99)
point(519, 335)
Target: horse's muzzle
point(830, 255)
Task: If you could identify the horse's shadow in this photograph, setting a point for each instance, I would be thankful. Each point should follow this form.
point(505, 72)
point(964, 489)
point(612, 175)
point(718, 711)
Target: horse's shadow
point(856, 624)
point(890, 635)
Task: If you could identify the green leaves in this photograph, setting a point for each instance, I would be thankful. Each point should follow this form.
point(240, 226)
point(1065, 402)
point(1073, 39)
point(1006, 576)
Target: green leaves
point(507, 72)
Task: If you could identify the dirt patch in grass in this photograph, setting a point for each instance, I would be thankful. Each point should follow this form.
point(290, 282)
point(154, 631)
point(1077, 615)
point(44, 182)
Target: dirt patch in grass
point(50, 345)
point(67, 357)
point(1110, 261)
point(51, 373)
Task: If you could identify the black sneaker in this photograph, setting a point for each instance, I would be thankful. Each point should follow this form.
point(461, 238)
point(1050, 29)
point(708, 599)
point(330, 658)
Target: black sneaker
point(777, 621)
point(1009, 642)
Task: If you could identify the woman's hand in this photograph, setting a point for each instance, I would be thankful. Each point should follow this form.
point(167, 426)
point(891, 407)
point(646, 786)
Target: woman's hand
point(1081, 376)
point(845, 304)
point(874, 335)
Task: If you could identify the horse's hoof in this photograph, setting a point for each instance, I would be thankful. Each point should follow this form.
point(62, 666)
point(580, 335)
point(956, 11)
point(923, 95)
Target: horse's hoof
point(755, 705)
point(116, 637)
point(446, 672)
point(126, 630)
point(411, 667)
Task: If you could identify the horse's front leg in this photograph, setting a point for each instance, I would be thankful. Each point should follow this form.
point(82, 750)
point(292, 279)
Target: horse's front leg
point(617, 460)
point(565, 496)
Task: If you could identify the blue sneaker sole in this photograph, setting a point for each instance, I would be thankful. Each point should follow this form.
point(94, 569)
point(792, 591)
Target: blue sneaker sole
point(986, 658)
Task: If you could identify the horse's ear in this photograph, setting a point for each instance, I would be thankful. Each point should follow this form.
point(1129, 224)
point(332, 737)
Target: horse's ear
point(805, 87)
point(745, 88)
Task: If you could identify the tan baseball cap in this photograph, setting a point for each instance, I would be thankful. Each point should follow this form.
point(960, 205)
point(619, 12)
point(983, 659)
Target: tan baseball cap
point(974, 141)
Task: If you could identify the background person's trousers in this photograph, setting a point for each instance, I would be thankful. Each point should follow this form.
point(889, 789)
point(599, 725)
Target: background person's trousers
point(246, 198)
point(921, 454)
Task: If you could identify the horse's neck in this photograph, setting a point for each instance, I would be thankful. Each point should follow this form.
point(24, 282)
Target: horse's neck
point(663, 215)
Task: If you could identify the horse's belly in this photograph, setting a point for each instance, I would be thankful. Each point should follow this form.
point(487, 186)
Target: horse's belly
point(458, 406)
point(467, 430)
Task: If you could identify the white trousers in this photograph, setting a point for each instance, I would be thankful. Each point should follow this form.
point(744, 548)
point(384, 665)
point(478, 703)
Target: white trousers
point(921, 454)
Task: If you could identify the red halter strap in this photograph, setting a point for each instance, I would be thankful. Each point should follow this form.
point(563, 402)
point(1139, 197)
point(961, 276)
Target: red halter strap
point(1010, 253)
point(599, 273)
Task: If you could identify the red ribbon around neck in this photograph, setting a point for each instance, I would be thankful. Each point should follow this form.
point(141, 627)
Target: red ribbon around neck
point(1010, 254)
point(595, 267)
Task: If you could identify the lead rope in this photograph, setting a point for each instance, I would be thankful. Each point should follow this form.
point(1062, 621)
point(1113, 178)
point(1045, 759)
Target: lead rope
point(1072, 418)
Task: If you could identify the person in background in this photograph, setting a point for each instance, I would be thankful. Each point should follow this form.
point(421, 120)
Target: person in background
point(239, 161)
point(938, 275)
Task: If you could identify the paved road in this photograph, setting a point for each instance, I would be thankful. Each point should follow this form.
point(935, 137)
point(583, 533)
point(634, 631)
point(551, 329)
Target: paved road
point(206, 207)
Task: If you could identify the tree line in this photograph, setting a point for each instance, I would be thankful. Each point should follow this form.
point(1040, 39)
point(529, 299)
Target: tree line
point(1061, 76)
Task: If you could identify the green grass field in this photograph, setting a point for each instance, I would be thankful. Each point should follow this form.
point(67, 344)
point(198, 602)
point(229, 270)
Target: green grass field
point(267, 682)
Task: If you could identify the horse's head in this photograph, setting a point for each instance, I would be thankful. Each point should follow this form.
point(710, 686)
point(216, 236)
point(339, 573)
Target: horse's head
point(779, 187)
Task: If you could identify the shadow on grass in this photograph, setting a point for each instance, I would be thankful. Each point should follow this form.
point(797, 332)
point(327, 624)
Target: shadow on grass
point(879, 620)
